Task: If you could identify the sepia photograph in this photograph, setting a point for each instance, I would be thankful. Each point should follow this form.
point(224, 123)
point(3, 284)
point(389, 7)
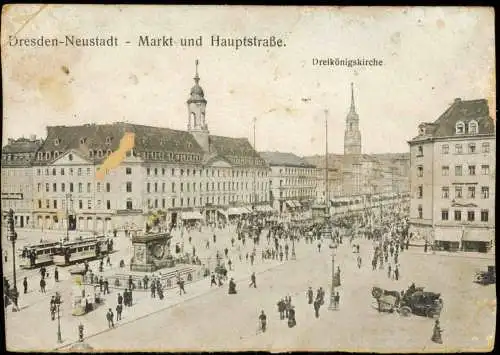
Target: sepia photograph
point(248, 178)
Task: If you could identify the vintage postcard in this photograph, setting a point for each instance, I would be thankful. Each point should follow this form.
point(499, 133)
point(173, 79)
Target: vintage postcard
point(234, 178)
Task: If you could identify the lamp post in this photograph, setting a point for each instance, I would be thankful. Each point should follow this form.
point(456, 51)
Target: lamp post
point(58, 303)
point(12, 235)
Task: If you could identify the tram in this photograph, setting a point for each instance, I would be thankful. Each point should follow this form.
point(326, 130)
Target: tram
point(37, 255)
point(81, 250)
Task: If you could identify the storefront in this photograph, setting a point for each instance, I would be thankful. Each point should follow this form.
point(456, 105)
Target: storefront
point(447, 239)
point(479, 240)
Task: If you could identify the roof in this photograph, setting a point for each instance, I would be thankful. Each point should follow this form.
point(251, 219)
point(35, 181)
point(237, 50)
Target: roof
point(234, 149)
point(285, 159)
point(460, 110)
point(20, 152)
point(107, 137)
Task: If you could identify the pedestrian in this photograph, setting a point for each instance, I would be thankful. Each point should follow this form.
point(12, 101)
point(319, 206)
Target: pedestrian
point(180, 282)
point(53, 308)
point(153, 290)
point(25, 284)
point(42, 285)
point(281, 255)
point(5, 255)
point(56, 274)
point(109, 317)
point(336, 300)
point(212, 280)
point(436, 333)
point(310, 295)
point(130, 281)
point(252, 283)
point(281, 308)
point(145, 281)
point(226, 251)
point(319, 247)
point(389, 268)
point(215, 238)
point(130, 299)
point(230, 264)
point(120, 299)
point(359, 262)
point(101, 265)
point(252, 258)
point(106, 286)
point(108, 262)
point(263, 321)
point(396, 273)
point(119, 309)
point(316, 306)
point(291, 317)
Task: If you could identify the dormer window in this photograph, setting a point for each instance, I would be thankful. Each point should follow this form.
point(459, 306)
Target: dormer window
point(99, 153)
point(47, 155)
point(460, 128)
point(108, 140)
point(91, 153)
point(56, 142)
point(472, 127)
point(83, 140)
point(70, 157)
point(40, 155)
point(56, 155)
point(421, 130)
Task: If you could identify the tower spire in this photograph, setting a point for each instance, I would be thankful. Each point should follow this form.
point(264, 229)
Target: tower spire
point(196, 76)
point(353, 107)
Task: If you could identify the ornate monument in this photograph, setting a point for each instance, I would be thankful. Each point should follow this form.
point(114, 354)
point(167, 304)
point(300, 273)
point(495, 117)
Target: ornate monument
point(151, 251)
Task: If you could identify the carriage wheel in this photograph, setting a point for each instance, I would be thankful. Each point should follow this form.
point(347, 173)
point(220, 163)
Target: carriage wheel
point(405, 311)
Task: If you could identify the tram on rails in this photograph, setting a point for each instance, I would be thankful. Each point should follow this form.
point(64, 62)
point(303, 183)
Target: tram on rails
point(33, 256)
point(80, 250)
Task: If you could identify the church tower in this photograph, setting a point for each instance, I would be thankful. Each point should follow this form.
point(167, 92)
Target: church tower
point(197, 104)
point(352, 135)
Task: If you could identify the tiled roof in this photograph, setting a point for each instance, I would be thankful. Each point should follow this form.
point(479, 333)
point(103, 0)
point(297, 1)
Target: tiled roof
point(465, 111)
point(238, 151)
point(20, 152)
point(285, 159)
point(147, 139)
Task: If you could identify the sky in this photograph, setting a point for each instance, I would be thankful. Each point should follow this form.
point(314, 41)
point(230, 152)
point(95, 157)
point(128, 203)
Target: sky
point(430, 57)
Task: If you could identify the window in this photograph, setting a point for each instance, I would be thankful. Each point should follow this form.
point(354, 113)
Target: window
point(55, 204)
point(471, 148)
point(458, 170)
point(470, 216)
point(173, 202)
point(444, 215)
point(54, 187)
point(89, 187)
point(445, 192)
point(485, 169)
point(173, 187)
point(156, 171)
point(128, 171)
point(471, 192)
point(485, 147)
point(39, 187)
point(108, 187)
point(80, 204)
point(47, 187)
point(485, 192)
point(162, 203)
point(108, 204)
point(62, 171)
point(458, 215)
point(458, 149)
point(108, 140)
point(128, 204)
point(148, 187)
point(484, 215)
point(420, 191)
point(148, 171)
point(460, 128)
point(98, 187)
point(182, 188)
point(38, 172)
point(163, 187)
point(71, 171)
point(53, 171)
point(63, 187)
point(39, 203)
point(458, 191)
point(80, 187)
point(420, 212)
point(79, 171)
point(472, 127)
point(129, 186)
point(472, 170)
point(156, 203)
point(445, 149)
point(445, 170)
point(182, 202)
point(420, 171)
point(88, 171)
point(70, 187)
point(99, 203)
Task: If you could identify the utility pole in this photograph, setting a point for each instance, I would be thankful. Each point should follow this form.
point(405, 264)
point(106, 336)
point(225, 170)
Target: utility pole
point(254, 166)
point(327, 199)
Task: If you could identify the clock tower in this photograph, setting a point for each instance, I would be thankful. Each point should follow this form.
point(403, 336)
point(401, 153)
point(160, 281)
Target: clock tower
point(352, 135)
point(197, 124)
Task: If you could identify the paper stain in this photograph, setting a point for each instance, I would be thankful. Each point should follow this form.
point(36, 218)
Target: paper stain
point(490, 304)
point(115, 158)
point(65, 69)
point(55, 92)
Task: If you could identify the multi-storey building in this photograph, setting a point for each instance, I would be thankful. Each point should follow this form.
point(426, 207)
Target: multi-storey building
point(175, 174)
point(17, 178)
point(292, 181)
point(452, 178)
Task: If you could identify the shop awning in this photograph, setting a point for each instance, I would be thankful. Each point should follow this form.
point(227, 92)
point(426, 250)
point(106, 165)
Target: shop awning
point(191, 215)
point(448, 235)
point(233, 210)
point(478, 235)
point(290, 203)
point(222, 212)
point(297, 203)
point(246, 210)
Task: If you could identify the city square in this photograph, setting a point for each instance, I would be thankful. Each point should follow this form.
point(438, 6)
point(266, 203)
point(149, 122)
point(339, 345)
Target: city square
point(275, 199)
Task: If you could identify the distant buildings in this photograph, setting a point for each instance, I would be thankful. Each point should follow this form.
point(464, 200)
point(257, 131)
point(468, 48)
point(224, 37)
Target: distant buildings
point(293, 181)
point(452, 176)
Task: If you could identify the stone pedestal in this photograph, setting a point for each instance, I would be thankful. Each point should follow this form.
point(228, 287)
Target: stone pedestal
point(318, 213)
point(151, 252)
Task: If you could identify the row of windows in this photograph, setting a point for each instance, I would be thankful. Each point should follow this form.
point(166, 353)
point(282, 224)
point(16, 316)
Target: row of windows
point(471, 148)
point(80, 185)
point(470, 128)
point(445, 192)
point(445, 170)
point(231, 186)
point(298, 171)
point(188, 202)
point(17, 156)
point(471, 215)
point(445, 149)
point(62, 171)
point(170, 156)
point(54, 204)
point(188, 172)
point(297, 181)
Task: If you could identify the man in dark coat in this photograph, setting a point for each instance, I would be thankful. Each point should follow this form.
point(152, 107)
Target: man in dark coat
point(316, 307)
point(310, 295)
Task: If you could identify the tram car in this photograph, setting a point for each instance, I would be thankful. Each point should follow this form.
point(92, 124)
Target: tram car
point(33, 256)
point(81, 250)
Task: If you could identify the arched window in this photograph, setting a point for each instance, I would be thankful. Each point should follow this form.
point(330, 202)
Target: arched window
point(473, 127)
point(83, 140)
point(91, 153)
point(99, 153)
point(460, 128)
point(108, 140)
point(57, 141)
point(47, 155)
point(56, 155)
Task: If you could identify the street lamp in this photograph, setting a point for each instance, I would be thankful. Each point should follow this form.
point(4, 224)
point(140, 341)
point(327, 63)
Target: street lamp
point(12, 235)
point(327, 234)
point(58, 303)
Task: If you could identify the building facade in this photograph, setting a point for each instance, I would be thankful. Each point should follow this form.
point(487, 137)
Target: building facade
point(17, 178)
point(452, 178)
point(292, 181)
point(177, 175)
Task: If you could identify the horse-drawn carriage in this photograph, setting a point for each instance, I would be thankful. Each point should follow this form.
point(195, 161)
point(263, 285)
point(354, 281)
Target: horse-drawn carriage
point(414, 301)
point(486, 277)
